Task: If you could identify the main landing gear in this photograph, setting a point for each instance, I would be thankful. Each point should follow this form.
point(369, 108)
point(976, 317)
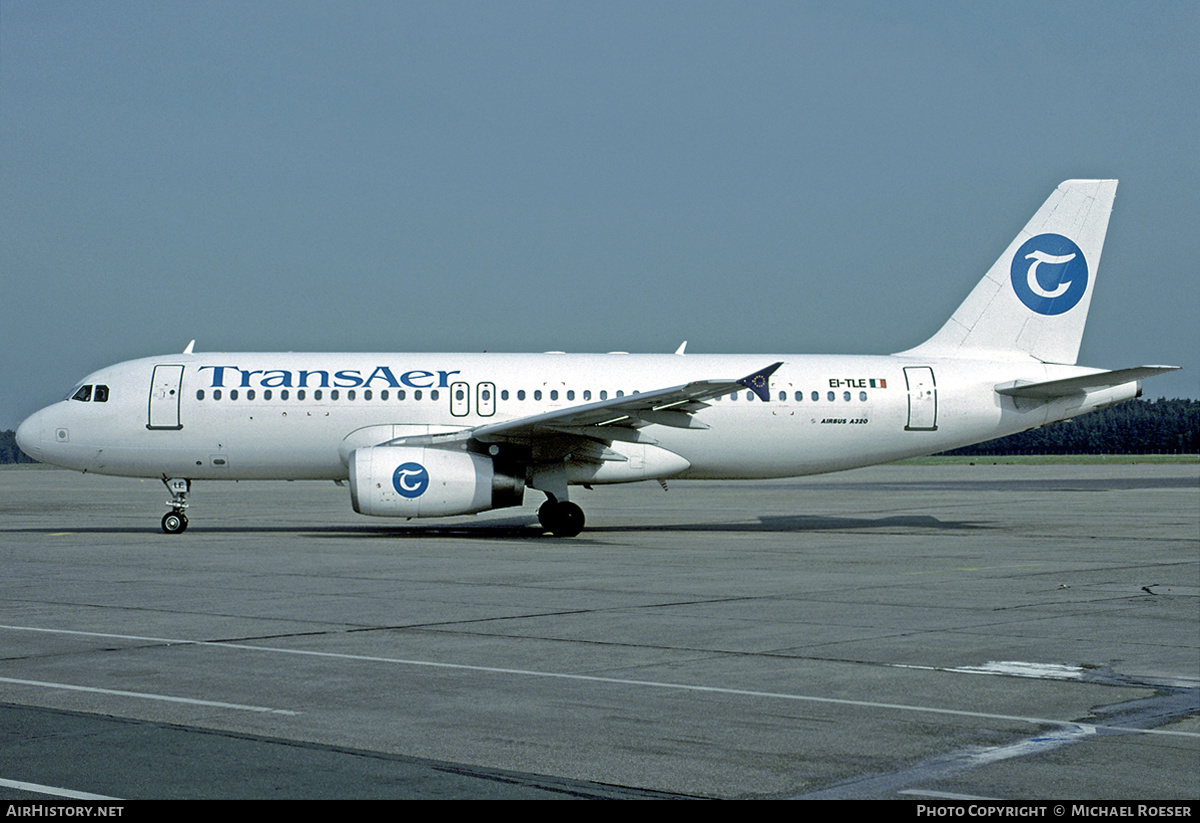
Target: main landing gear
point(175, 521)
point(557, 515)
point(562, 519)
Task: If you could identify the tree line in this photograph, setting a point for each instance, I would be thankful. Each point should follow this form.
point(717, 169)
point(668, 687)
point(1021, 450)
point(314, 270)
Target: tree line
point(1138, 427)
point(9, 451)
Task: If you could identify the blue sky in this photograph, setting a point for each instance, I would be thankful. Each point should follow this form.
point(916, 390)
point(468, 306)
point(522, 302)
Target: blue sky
point(524, 176)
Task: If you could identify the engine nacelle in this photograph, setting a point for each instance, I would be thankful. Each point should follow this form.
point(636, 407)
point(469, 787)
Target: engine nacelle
point(407, 481)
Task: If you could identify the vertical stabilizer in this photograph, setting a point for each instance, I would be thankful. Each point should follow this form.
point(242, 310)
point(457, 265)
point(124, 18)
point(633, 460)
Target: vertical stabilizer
point(1034, 300)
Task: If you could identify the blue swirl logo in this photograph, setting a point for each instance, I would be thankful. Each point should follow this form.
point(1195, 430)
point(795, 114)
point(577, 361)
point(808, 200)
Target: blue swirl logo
point(410, 480)
point(1049, 274)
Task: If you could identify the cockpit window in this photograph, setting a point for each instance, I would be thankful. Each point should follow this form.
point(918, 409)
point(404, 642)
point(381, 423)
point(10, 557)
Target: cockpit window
point(86, 393)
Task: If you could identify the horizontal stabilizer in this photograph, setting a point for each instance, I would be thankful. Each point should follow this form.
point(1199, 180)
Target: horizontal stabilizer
point(1079, 385)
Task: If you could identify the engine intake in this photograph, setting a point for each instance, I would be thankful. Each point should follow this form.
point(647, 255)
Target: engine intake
point(408, 481)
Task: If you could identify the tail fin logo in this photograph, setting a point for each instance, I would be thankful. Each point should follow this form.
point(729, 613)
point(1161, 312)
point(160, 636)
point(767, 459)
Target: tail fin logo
point(1049, 274)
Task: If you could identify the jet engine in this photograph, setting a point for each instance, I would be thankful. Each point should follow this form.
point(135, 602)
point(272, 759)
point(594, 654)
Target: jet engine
point(409, 481)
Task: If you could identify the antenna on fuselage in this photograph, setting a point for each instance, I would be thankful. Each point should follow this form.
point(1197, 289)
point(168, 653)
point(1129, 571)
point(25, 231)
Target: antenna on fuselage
point(188, 350)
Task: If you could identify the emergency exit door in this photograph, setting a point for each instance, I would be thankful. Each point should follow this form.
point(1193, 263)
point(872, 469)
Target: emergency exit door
point(485, 400)
point(460, 399)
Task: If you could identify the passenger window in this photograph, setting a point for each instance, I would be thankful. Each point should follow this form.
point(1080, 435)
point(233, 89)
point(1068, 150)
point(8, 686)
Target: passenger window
point(333, 395)
point(216, 394)
point(84, 393)
point(299, 394)
point(504, 394)
point(537, 395)
point(283, 394)
point(587, 394)
point(417, 394)
point(520, 394)
point(317, 395)
point(434, 395)
point(816, 396)
point(862, 395)
point(383, 395)
point(554, 394)
point(846, 396)
point(199, 394)
point(350, 395)
point(249, 394)
point(367, 394)
point(401, 395)
point(831, 396)
point(571, 394)
point(233, 394)
point(267, 394)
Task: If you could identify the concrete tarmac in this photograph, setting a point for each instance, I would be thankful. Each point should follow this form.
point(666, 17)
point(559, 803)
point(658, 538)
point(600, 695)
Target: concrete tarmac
point(902, 632)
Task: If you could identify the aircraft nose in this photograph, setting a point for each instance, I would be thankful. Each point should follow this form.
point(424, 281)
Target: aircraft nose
point(29, 435)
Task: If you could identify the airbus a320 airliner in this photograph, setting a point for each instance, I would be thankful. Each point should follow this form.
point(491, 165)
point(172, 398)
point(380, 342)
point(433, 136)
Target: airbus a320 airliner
point(434, 435)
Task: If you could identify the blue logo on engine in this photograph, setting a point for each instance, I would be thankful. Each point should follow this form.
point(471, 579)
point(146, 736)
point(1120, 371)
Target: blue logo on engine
point(1049, 274)
point(410, 480)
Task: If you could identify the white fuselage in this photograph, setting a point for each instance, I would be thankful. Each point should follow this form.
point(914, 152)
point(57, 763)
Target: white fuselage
point(295, 416)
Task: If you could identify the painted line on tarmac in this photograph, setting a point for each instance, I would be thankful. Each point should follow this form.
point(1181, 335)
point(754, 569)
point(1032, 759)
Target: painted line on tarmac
point(165, 698)
point(617, 681)
point(53, 791)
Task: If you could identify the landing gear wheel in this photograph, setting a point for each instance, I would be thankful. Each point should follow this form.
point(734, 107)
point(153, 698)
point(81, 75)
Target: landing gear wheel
point(174, 522)
point(561, 519)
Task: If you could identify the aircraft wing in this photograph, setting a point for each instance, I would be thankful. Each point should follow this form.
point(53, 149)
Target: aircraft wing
point(1078, 385)
point(617, 418)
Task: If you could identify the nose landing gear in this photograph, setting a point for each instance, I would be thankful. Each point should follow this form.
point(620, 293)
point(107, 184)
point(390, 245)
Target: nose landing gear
point(175, 521)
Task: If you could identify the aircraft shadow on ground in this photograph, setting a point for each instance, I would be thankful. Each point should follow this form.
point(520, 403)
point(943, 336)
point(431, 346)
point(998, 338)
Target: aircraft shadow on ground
point(776, 525)
point(528, 528)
